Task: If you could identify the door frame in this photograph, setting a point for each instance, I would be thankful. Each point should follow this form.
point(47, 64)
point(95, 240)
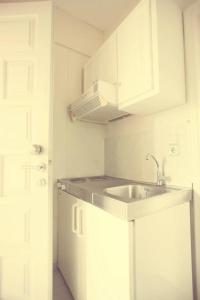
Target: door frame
point(192, 45)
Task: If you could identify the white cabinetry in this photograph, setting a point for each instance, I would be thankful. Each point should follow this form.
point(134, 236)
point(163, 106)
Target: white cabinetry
point(145, 57)
point(103, 65)
point(149, 258)
point(151, 58)
point(109, 256)
point(163, 267)
point(104, 257)
point(72, 243)
point(137, 59)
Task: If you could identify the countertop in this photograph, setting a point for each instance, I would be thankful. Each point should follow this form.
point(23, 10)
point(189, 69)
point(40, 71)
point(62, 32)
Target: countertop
point(92, 190)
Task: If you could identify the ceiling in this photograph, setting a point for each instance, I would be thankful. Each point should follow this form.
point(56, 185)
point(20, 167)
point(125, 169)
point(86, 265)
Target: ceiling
point(102, 13)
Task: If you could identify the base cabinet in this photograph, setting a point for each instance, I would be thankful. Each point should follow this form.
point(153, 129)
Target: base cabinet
point(105, 258)
point(72, 243)
point(163, 269)
point(109, 256)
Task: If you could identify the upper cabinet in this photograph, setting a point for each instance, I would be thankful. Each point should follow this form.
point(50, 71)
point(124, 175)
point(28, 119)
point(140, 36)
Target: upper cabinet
point(145, 59)
point(103, 65)
point(137, 56)
point(151, 58)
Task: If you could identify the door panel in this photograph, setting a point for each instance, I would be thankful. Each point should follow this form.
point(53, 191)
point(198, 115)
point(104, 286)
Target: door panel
point(25, 191)
point(103, 65)
point(135, 54)
point(72, 243)
point(68, 242)
point(18, 80)
point(90, 73)
point(20, 118)
point(109, 252)
point(16, 180)
point(165, 271)
point(82, 250)
point(17, 224)
point(17, 32)
point(18, 279)
point(107, 60)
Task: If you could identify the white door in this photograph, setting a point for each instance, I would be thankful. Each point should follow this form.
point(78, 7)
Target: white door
point(25, 190)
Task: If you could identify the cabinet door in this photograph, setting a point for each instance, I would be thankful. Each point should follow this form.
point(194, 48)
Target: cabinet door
point(90, 73)
point(67, 240)
point(136, 41)
point(108, 256)
point(107, 60)
point(163, 255)
point(71, 243)
point(81, 250)
point(103, 65)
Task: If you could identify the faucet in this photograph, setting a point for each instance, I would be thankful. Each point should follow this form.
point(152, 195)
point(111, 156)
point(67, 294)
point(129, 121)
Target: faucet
point(160, 178)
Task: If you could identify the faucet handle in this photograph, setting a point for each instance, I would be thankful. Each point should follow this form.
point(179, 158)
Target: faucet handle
point(162, 179)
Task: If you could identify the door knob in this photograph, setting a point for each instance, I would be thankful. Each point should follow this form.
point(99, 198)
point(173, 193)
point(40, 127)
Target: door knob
point(36, 149)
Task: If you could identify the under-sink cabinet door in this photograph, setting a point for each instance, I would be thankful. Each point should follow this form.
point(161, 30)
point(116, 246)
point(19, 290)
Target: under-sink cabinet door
point(109, 256)
point(71, 243)
point(163, 255)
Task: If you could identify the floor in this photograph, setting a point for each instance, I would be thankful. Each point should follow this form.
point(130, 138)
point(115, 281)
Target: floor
point(60, 290)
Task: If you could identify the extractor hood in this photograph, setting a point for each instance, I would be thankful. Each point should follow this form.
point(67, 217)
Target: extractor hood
point(97, 105)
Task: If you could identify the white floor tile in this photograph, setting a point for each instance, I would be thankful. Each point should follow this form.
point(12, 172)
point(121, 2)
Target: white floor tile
point(60, 290)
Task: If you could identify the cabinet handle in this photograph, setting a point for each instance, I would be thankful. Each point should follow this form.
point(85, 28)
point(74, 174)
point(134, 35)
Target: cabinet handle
point(74, 218)
point(80, 222)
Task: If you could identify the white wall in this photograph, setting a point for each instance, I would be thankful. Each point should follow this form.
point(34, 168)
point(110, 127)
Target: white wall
point(78, 147)
point(128, 141)
point(75, 34)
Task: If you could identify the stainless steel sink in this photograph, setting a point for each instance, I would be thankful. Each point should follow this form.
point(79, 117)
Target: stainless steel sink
point(135, 191)
point(124, 198)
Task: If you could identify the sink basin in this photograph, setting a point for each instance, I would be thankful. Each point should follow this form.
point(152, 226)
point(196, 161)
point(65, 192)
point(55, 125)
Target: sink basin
point(136, 200)
point(124, 198)
point(135, 191)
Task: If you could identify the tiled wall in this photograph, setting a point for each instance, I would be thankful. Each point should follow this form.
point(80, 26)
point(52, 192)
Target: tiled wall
point(128, 142)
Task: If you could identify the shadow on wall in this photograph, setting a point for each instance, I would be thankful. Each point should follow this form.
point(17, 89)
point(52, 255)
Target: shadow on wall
point(195, 209)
